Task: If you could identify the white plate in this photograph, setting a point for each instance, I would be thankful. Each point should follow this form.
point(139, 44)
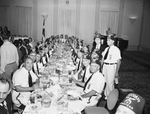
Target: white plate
point(35, 107)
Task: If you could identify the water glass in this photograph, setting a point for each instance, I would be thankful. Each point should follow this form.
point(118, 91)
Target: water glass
point(46, 102)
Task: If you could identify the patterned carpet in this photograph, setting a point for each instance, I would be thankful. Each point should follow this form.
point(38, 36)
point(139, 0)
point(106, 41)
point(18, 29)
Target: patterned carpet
point(135, 74)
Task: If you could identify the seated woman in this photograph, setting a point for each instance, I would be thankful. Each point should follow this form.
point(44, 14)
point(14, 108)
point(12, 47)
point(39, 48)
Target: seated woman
point(84, 73)
point(79, 60)
point(86, 51)
point(38, 65)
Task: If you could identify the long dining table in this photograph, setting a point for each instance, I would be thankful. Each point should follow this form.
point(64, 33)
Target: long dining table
point(57, 94)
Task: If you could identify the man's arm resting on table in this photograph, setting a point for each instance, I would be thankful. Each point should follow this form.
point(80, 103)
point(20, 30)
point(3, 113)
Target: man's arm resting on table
point(79, 83)
point(19, 88)
point(89, 94)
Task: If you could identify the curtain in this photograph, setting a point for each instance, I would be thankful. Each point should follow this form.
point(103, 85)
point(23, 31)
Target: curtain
point(108, 18)
point(66, 21)
point(4, 15)
point(23, 21)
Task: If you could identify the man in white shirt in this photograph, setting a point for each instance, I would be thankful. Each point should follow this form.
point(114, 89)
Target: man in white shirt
point(111, 63)
point(93, 87)
point(9, 59)
point(24, 81)
point(38, 65)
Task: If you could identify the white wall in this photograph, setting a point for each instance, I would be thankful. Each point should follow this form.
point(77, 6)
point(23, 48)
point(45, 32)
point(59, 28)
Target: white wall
point(108, 16)
point(88, 18)
point(12, 4)
point(131, 31)
point(145, 36)
point(45, 7)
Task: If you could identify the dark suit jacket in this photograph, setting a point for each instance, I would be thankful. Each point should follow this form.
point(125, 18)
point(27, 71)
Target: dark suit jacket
point(24, 52)
point(9, 106)
point(102, 48)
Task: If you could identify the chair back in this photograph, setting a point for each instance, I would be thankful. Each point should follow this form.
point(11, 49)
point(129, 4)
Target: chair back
point(112, 99)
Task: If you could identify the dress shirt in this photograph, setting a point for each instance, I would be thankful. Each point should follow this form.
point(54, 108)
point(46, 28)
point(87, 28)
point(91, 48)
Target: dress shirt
point(20, 77)
point(113, 55)
point(8, 54)
point(98, 46)
point(40, 67)
point(79, 63)
point(96, 83)
point(87, 73)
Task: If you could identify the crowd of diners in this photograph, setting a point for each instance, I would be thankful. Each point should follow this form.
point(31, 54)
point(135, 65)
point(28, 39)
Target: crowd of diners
point(97, 70)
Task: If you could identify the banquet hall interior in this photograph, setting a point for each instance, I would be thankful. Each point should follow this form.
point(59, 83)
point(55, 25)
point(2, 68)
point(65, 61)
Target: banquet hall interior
point(127, 20)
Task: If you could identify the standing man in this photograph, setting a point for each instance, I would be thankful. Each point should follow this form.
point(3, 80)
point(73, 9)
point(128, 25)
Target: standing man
point(9, 59)
point(5, 96)
point(111, 63)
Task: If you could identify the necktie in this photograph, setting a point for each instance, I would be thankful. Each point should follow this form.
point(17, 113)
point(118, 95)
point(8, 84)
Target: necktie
point(37, 68)
point(84, 75)
point(46, 58)
point(30, 79)
point(48, 54)
point(33, 69)
point(78, 65)
point(4, 104)
point(87, 82)
point(105, 57)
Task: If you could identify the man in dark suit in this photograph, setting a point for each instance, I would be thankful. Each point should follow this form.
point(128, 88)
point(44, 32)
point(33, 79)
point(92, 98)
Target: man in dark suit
point(98, 46)
point(5, 96)
point(23, 49)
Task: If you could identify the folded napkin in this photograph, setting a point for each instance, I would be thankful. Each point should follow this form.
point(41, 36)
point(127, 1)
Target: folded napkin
point(55, 79)
point(54, 89)
point(73, 93)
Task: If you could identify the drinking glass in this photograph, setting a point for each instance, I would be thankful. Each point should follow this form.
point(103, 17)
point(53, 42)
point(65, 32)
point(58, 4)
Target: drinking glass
point(46, 102)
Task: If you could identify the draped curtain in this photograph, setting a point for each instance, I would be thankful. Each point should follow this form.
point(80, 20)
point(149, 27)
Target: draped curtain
point(23, 21)
point(4, 17)
point(108, 18)
point(66, 21)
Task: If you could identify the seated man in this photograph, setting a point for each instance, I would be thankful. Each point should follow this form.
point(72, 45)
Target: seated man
point(84, 73)
point(5, 96)
point(24, 81)
point(132, 104)
point(79, 60)
point(32, 55)
point(38, 65)
point(93, 87)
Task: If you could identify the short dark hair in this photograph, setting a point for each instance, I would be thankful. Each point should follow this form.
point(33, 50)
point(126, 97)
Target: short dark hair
point(5, 80)
point(96, 62)
point(27, 58)
point(5, 36)
point(112, 37)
